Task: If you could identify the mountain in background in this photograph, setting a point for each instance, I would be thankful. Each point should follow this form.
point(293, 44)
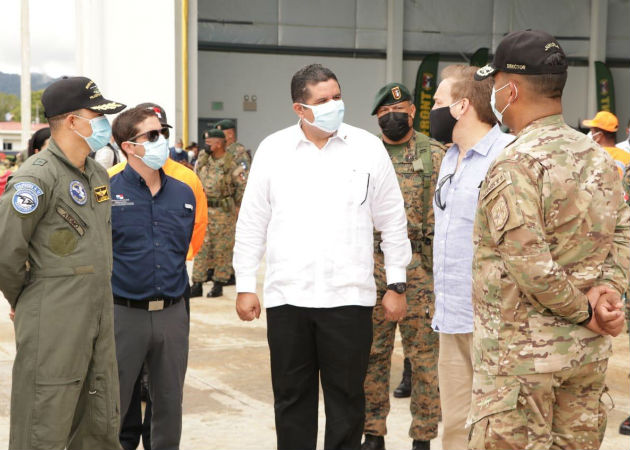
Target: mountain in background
point(10, 82)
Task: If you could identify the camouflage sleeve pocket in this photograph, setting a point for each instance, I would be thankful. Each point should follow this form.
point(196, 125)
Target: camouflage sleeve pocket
point(499, 202)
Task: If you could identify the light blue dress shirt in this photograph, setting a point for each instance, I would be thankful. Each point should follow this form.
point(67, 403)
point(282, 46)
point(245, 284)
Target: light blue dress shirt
point(452, 242)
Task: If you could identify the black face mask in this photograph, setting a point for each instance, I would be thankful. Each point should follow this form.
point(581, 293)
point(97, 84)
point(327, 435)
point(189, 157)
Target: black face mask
point(441, 124)
point(395, 125)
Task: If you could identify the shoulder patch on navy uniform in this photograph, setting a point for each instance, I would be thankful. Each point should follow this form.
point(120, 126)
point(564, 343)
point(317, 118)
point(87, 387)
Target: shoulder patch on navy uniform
point(39, 162)
point(77, 192)
point(25, 199)
point(101, 193)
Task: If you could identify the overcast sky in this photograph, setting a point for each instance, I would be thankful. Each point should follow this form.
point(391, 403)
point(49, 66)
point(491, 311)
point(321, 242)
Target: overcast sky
point(52, 36)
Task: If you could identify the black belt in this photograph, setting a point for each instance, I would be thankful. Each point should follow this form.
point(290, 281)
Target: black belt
point(149, 304)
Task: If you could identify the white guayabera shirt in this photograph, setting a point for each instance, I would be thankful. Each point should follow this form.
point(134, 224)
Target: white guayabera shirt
point(315, 211)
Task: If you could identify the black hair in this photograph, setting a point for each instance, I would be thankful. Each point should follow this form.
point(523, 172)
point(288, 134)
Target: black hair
point(311, 74)
point(37, 140)
point(550, 85)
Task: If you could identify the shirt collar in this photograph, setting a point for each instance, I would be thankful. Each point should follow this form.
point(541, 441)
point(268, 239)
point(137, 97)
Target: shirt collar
point(341, 134)
point(485, 144)
point(131, 175)
point(56, 150)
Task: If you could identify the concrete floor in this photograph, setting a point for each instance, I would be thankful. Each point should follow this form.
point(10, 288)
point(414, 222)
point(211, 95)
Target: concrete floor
point(228, 402)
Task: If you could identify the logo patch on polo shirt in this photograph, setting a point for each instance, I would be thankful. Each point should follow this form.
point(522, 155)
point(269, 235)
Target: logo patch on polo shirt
point(101, 193)
point(25, 199)
point(120, 200)
point(77, 192)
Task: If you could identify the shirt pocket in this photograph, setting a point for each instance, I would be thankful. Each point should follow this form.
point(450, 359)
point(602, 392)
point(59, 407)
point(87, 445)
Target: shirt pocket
point(179, 225)
point(465, 199)
point(65, 238)
point(358, 188)
point(130, 228)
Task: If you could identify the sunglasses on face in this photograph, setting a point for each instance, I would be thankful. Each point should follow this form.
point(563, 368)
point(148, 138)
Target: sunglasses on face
point(438, 191)
point(151, 135)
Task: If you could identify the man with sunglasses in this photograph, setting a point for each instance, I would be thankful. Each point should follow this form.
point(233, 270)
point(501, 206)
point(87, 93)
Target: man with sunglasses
point(55, 269)
point(416, 159)
point(462, 115)
point(551, 260)
point(153, 219)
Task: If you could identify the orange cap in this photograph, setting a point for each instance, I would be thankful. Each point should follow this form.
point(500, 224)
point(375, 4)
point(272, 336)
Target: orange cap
point(603, 120)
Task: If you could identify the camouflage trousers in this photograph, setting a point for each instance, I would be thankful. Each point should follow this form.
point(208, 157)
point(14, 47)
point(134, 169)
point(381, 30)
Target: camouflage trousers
point(420, 345)
point(548, 410)
point(216, 252)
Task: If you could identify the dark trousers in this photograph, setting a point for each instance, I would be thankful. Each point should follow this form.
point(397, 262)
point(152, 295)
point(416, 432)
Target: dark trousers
point(306, 344)
point(133, 426)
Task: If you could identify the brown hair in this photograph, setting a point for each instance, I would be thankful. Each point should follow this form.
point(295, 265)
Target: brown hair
point(477, 92)
point(125, 126)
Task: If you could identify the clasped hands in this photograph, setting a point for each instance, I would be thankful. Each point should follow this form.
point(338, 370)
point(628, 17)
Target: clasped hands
point(608, 317)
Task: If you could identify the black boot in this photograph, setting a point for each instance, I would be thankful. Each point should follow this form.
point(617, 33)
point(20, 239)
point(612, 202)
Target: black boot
point(420, 445)
point(217, 290)
point(231, 281)
point(372, 442)
point(196, 290)
point(404, 388)
point(624, 428)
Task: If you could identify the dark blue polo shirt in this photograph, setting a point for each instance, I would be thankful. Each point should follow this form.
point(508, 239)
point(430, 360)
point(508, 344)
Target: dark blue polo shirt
point(150, 235)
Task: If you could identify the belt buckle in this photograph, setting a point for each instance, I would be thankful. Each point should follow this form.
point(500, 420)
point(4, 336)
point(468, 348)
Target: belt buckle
point(156, 305)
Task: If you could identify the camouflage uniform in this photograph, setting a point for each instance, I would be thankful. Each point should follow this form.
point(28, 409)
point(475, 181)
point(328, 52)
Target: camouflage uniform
point(551, 224)
point(223, 182)
point(240, 155)
point(420, 343)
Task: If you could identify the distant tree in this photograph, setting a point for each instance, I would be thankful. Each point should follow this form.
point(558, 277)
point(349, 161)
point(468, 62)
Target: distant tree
point(8, 102)
point(37, 110)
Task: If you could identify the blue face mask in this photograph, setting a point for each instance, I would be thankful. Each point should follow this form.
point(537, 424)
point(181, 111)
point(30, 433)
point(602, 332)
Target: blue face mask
point(155, 153)
point(328, 116)
point(101, 132)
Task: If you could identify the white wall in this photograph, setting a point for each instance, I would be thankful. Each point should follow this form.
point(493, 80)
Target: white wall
point(227, 77)
point(129, 49)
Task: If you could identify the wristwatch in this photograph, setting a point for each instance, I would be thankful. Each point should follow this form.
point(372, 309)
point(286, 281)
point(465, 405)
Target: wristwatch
point(399, 288)
point(590, 316)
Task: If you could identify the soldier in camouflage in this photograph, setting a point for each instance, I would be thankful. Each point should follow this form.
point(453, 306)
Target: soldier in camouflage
point(238, 151)
point(417, 160)
point(551, 259)
point(224, 183)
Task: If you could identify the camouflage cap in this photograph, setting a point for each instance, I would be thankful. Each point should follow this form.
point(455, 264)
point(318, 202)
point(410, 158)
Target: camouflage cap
point(214, 133)
point(225, 124)
point(390, 94)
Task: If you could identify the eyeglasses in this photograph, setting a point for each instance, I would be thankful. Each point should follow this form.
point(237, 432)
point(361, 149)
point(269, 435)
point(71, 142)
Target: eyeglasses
point(438, 190)
point(151, 135)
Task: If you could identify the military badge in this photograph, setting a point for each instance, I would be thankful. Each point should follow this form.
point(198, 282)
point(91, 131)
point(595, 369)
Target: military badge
point(77, 192)
point(500, 213)
point(485, 71)
point(396, 93)
point(25, 199)
point(101, 193)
